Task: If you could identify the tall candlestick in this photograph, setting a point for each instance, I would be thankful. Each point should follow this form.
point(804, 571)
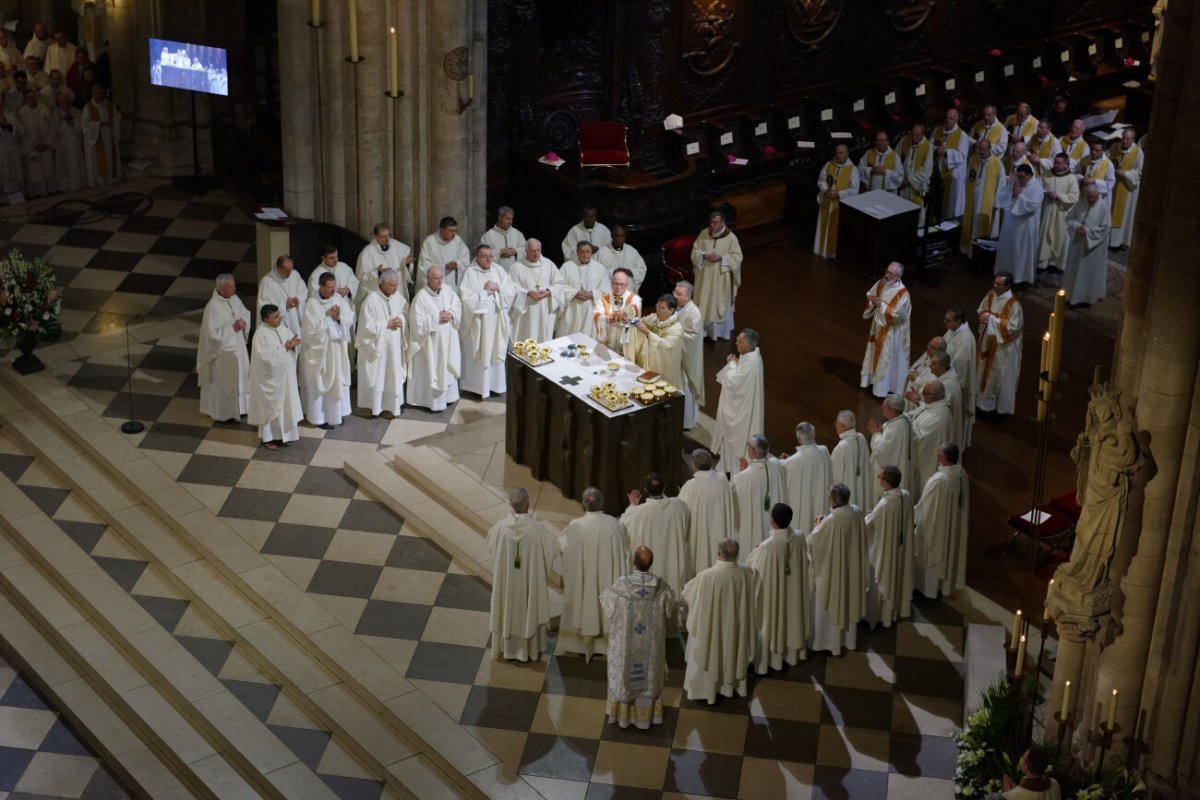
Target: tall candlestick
point(316, 12)
point(1066, 705)
point(353, 31)
point(393, 64)
point(1112, 710)
point(1057, 322)
point(1020, 668)
point(1016, 633)
point(1049, 589)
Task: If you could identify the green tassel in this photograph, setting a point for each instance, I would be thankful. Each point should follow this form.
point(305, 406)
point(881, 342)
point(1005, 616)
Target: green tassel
point(517, 560)
point(767, 502)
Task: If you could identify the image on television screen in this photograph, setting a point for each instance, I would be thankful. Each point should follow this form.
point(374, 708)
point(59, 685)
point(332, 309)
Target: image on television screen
point(180, 65)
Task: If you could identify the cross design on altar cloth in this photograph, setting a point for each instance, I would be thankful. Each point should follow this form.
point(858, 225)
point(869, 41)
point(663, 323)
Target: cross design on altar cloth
point(570, 380)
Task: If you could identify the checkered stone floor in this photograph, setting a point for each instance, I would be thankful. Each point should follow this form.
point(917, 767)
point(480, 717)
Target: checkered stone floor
point(872, 724)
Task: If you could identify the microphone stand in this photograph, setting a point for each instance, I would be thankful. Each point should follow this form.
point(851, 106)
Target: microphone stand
point(131, 425)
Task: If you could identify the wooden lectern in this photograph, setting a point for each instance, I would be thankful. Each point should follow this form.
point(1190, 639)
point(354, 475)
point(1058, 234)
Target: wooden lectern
point(874, 229)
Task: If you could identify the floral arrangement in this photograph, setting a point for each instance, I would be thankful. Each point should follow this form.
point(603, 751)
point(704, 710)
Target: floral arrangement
point(1117, 785)
point(991, 744)
point(30, 301)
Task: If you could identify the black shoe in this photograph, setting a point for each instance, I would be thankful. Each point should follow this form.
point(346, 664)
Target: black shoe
point(325, 427)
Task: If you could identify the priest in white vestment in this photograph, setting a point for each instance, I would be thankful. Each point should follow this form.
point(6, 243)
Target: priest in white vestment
point(1086, 266)
point(595, 554)
point(507, 243)
point(48, 94)
point(891, 443)
point(759, 484)
point(444, 249)
point(961, 347)
point(850, 461)
point(785, 622)
point(346, 281)
point(637, 607)
point(274, 402)
point(61, 54)
point(618, 254)
point(1021, 124)
point(1061, 195)
point(540, 294)
point(101, 123)
point(656, 343)
point(1127, 178)
point(584, 280)
point(524, 554)
point(741, 406)
point(890, 544)
point(222, 360)
point(998, 363)
point(1074, 144)
point(723, 611)
point(836, 181)
point(985, 176)
point(880, 167)
point(691, 323)
point(660, 523)
point(1096, 169)
point(12, 178)
point(38, 43)
point(37, 145)
point(919, 373)
point(941, 518)
point(587, 230)
point(325, 358)
point(614, 312)
point(932, 426)
point(916, 156)
point(1021, 200)
point(944, 371)
point(992, 131)
point(382, 339)
point(487, 298)
point(1043, 147)
point(283, 288)
point(837, 548)
point(381, 254)
point(68, 145)
point(807, 476)
point(952, 147)
point(709, 500)
point(434, 352)
point(717, 262)
point(889, 306)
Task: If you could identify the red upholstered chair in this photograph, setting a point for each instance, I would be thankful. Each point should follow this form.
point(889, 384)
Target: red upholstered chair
point(603, 144)
point(677, 259)
point(1056, 531)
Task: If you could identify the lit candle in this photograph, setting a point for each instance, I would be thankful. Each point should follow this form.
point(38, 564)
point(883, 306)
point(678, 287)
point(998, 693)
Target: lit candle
point(393, 64)
point(470, 85)
point(1056, 332)
point(1020, 668)
point(353, 31)
point(1049, 589)
point(1065, 713)
point(1112, 710)
point(1016, 630)
point(316, 12)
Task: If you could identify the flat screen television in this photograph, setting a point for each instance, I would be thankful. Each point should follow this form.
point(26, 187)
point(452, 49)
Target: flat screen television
point(195, 67)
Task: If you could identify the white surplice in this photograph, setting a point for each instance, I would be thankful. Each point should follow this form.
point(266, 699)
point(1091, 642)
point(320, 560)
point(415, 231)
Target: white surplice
point(756, 489)
point(941, 519)
point(575, 315)
point(890, 544)
point(485, 328)
point(709, 501)
point(637, 607)
point(717, 282)
point(850, 464)
point(325, 360)
point(274, 402)
point(437, 252)
point(740, 409)
point(1017, 250)
point(885, 363)
point(381, 368)
point(837, 549)
point(222, 360)
point(785, 623)
point(1086, 265)
point(434, 352)
point(534, 319)
point(808, 472)
point(594, 556)
point(722, 624)
point(524, 554)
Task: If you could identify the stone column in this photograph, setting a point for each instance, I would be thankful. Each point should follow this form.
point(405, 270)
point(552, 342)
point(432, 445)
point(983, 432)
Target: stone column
point(298, 118)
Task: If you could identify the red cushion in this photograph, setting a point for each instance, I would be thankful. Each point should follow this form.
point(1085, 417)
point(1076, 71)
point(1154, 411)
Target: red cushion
point(1057, 525)
point(1068, 505)
point(603, 157)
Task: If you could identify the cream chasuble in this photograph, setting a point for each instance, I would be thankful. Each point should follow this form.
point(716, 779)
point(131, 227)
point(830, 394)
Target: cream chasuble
point(661, 523)
point(691, 322)
point(575, 314)
point(850, 463)
point(373, 260)
point(807, 473)
point(1125, 192)
point(740, 409)
point(1086, 265)
point(1052, 233)
point(885, 363)
point(837, 548)
point(594, 557)
point(485, 328)
point(932, 426)
point(781, 563)
point(434, 352)
point(274, 393)
point(637, 607)
point(709, 501)
point(523, 555)
point(717, 282)
point(979, 219)
point(534, 319)
point(499, 239)
point(722, 623)
point(437, 252)
point(941, 542)
point(953, 166)
point(381, 368)
point(222, 360)
point(598, 235)
point(660, 350)
point(844, 179)
point(891, 446)
point(890, 543)
point(998, 355)
point(756, 489)
point(275, 290)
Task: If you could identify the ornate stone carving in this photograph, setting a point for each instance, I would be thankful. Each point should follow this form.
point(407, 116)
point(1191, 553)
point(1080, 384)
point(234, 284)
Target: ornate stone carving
point(812, 21)
point(908, 15)
point(1106, 456)
point(456, 65)
point(710, 39)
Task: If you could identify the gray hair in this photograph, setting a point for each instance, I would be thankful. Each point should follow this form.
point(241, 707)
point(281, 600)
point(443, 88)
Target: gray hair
point(806, 433)
point(728, 549)
point(846, 419)
point(519, 500)
point(950, 451)
point(502, 210)
point(895, 402)
point(899, 267)
point(751, 336)
point(839, 494)
point(937, 389)
point(759, 444)
point(434, 269)
point(941, 358)
point(1092, 189)
point(702, 458)
point(223, 279)
point(389, 276)
point(691, 290)
point(891, 473)
point(592, 499)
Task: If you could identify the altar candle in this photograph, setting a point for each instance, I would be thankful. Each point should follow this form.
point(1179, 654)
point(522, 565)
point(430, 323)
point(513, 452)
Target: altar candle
point(316, 12)
point(1016, 630)
point(1050, 588)
point(1057, 322)
point(393, 64)
point(1020, 668)
point(1112, 710)
point(1065, 713)
point(353, 31)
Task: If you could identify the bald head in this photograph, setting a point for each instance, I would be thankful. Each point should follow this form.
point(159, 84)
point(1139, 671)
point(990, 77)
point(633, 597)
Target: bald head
point(518, 500)
point(643, 559)
point(727, 550)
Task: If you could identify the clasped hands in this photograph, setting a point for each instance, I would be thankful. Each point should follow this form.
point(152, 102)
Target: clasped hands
point(240, 325)
point(292, 343)
point(335, 312)
point(445, 315)
point(395, 322)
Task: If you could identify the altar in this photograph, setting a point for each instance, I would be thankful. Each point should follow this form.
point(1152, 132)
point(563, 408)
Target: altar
point(566, 437)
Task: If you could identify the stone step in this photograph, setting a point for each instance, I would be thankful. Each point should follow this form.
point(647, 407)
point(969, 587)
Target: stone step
point(139, 764)
point(341, 682)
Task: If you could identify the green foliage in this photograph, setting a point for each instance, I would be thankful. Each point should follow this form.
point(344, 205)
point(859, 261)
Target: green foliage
point(991, 745)
point(30, 301)
point(1117, 784)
